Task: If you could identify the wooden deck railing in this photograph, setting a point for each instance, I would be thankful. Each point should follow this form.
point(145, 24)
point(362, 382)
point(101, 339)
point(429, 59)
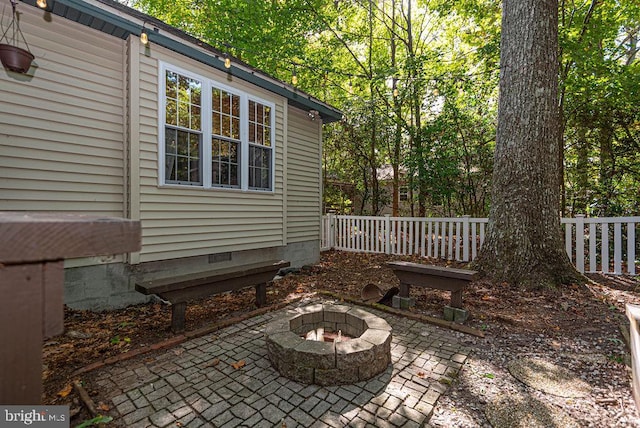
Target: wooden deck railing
point(33, 247)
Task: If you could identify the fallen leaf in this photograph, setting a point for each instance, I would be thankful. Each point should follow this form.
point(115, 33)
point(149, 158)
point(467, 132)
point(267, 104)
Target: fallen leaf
point(103, 407)
point(421, 374)
point(213, 362)
point(238, 365)
point(65, 391)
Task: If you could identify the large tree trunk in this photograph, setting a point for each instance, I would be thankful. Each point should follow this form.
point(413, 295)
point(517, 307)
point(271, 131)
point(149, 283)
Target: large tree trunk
point(524, 242)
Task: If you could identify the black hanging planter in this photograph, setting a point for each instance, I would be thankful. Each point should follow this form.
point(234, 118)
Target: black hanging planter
point(13, 57)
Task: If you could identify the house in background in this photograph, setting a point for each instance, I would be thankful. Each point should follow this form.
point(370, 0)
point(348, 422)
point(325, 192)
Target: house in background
point(222, 166)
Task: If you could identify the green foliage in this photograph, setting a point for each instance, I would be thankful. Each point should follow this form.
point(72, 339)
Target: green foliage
point(100, 419)
point(601, 95)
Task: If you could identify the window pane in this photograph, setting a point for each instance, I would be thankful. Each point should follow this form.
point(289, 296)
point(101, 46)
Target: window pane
point(216, 124)
point(252, 132)
point(267, 115)
point(171, 89)
point(252, 111)
point(215, 172)
point(266, 158)
point(265, 179)
point(170, 141)
point(170, 168)
point(233, 153)
point(267, 136)
point(171, 112)
point(215, 99)
point(259, 114)
point(234, 175)
point(194, 171)
point(252, 177)
point(194, 145)
point(183, 168)
point(183, 114)
point(183, 143)
point(259, 134)
point(236, 106)
point(183, 89)
point(224, 173)
point(196, 91)
point(195, 118)
point(235, 128)
point(226, 103)
point(226, 126)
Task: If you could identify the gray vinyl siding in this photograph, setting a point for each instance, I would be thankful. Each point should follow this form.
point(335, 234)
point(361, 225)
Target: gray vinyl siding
point(182, 221)
point(61, 128)
point(303, 177)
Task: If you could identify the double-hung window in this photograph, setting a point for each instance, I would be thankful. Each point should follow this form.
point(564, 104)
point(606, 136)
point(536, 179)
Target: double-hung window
point(214, 136)
point(225, 138)
point(260, 151)
point(182, 130)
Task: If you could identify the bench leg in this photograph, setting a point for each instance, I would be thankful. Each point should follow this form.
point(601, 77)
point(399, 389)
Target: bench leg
point(404, 290)
point(456, 299)
point(261, 294)
point(178, 312)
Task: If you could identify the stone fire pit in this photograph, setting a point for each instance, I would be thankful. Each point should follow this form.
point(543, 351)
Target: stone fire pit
point(364, 352)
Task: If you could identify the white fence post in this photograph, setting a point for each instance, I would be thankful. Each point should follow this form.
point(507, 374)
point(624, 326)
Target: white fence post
point(387, 234)
point(331, 231)
point(580, 242)
point(631, 248)
point(604, 230)
point(465, 238)
point(593, 254)
point(617, 248)
point(568, 238)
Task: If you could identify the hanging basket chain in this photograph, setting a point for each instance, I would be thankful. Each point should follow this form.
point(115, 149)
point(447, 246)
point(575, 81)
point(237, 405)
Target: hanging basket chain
point(15, 26)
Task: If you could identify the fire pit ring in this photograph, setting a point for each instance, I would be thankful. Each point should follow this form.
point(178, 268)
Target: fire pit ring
point(366, 354)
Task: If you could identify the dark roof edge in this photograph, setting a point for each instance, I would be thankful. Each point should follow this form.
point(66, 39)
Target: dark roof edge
point(186, 46)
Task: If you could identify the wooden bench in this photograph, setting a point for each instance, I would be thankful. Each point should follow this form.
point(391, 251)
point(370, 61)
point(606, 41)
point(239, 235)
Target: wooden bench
point(178, 290)
point(438, 277)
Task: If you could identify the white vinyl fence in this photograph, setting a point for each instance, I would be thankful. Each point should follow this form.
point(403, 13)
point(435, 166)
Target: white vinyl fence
point(606, 244)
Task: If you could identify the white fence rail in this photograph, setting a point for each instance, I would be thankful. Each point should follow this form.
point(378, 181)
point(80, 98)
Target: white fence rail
point(589, 242)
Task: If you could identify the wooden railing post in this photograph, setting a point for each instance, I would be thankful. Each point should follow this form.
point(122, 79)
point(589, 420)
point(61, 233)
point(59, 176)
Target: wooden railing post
point(32, 250)
point(633, 314)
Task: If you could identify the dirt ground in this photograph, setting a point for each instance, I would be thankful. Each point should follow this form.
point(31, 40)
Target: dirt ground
point(508, 317)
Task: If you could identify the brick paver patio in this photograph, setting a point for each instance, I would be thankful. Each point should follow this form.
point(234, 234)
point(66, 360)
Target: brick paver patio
point(184, 387)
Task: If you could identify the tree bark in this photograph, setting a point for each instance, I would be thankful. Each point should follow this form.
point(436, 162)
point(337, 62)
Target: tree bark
point(524, 244)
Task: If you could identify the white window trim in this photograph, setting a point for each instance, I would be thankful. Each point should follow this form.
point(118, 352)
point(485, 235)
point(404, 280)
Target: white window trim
point(205, 124)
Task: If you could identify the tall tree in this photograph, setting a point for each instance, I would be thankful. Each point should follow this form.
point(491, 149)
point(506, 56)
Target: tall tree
point(524, 245)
